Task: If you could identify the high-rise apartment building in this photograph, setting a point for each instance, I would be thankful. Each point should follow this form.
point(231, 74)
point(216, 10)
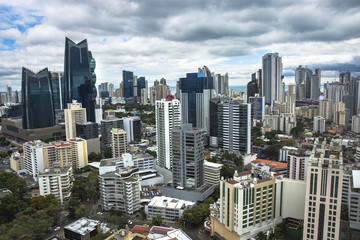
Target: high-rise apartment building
point(272, 78)
point(235, 126)
point(158, 91)
point(73, 114)
point(168, 116)
point(36, 157)
point(355, 125)
point(323, 192)
point(354, 201)
point(212, 172)
point(120, 190)
point(319, 124)
point(132, 127)
point(62, 152)
point(249, 204)
point(56, 181)
point(297, 162)
point(196, 91)
point(79, 76)
point(340, 114)
point(37, 99)
point(79, 153)
point(119, 143)
point(188, 156)
point(87, 130)
point(354, 96)
point(325, 109)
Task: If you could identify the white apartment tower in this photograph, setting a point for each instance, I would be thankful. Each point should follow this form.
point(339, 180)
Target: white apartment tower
point(272, 78)
point(168, 116)
point(73, 114)
point(319, 124)
point(323, 192)
point(35, 158)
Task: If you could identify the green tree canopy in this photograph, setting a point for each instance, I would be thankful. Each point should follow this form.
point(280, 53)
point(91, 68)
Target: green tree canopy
point(157, 221)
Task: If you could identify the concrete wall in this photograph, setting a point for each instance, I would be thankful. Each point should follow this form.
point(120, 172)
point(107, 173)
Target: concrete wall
point(93, 145)
point(167, 174)
point(293, 204)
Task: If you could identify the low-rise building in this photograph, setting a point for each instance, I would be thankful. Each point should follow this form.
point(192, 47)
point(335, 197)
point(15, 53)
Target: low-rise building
point(120, 190)
point(56, 181)
point(17, 161)
point(170, 209)
point(82, 229)
point(266, 165)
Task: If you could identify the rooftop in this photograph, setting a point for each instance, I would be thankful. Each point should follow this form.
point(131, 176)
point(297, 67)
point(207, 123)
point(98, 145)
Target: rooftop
point(167, 202)
point(211, 164)
point(272, 164)
point(52, 171)
point(356, 178)
point(83, 226)
point(141, 229)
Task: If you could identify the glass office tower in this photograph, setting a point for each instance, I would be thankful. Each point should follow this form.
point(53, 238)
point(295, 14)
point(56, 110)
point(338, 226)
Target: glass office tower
point(37, 99)
point(128, 83)
point(57, 82)
point(79, 76)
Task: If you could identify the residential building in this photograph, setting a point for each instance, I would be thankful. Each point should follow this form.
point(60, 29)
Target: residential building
point(235, 126)
point(297, 162)
point(325, 109)
point(132, 127)
point(196, 90)
point(170, 209)
point(79, 76)
point(82, 229)
point(120, 190)
point(346, 187)
point(339, 116)
point(319, 124)
point(119, 144)
point(354, 201)
point(106, 126)
point(63, 154)
point(188, 156)
point(257, 108)
point(262, 165)
point(323, 192)
point(56, 181)
point(284, 151)
point(283, 122)
point(248, 205)
point(168, 116)
point(37, 100)
point(36, 157)
point(159, 91)
point(74, 114)
point(272, 78)
point(79, 153)
point(17, 161)
point(212, 172)
point(355, 124)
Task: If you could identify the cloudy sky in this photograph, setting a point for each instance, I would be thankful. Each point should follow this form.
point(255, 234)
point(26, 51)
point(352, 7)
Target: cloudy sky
point(162, 38)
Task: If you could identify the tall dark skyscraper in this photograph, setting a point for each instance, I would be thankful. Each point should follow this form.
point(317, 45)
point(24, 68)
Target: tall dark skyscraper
point(141, 83)
point(79, 76)
point(37, 99)
point(57, 82)
point(128, 80)
point(272, 78)
point(195, 95)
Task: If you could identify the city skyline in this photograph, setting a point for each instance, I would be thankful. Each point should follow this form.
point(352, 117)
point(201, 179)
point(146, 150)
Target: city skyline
point(159, 39)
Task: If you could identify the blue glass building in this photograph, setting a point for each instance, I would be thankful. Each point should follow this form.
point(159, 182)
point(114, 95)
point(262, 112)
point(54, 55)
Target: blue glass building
point(37, 99)
point(79, 76)
point(57, 82)
point(141, 83)
point(191, 86)
point(128, 83)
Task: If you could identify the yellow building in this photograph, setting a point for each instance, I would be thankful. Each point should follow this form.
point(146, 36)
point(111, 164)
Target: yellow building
point(73, 114)
point(17, 161)
point(79, 153)
point(119, 143)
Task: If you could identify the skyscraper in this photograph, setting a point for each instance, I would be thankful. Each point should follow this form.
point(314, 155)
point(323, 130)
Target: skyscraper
point(235, 126)
point(128, 84)
point(188, 156)
point(132, 127)
point(196, 92)
point(79, 76)
point(323, 192)
point(37, 99)
point(168, 116)
point(57, 82)
point(272, 78)
point(119, 144)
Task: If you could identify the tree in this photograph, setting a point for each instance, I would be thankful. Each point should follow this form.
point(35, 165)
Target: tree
point(193, 216)
point(152, 153)
point(87, 187)
point(9, 206)
point(278, 233)
point(156, 221)
point(43, 202)
point(260, 236)
point(108, 152)
point(94, 157)
point(13, 182)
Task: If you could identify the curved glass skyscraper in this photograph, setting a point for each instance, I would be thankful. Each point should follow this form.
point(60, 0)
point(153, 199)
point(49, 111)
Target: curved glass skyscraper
point(37, 99)
point(79, 76)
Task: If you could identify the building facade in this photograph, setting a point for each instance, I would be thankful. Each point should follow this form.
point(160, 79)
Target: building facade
point(168, 116)
point(74, 114)
point(272, 78)
point(79, 153)
point(119, 143)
